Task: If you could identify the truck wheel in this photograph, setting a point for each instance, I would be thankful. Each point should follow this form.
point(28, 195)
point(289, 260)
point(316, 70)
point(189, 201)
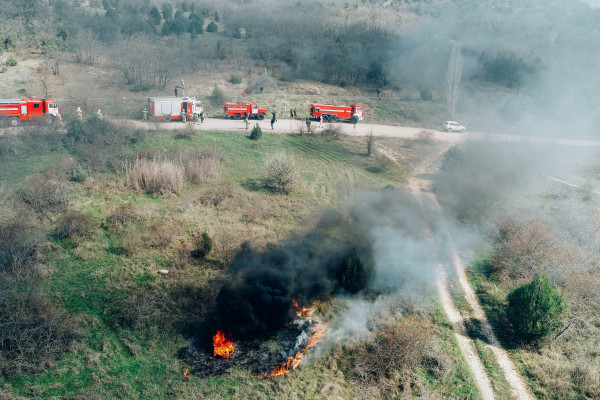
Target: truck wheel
point(237, 116)
point(166, 118)
point(14, 122)
point(354, 119)
point(261, 116)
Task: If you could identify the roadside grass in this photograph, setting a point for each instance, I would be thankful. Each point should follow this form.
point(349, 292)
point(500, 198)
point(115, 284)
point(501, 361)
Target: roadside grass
point(95, 276)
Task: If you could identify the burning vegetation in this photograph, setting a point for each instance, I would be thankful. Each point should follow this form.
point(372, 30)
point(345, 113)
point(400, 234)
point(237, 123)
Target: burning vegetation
point(222, 346)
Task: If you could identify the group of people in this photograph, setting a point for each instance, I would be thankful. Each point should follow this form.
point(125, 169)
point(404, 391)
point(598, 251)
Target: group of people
point(80, 114)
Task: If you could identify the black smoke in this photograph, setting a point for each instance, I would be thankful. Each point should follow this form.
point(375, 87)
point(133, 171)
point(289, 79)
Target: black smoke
point(336, 256)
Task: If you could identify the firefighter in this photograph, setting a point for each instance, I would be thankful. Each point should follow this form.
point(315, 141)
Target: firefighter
point(99, 114)
point(175, 91)
point(321, 121)
point(79, 113)
point(202, 117)
point(145, 114)
point(184, 116)
point(308, 124)
point(273, 120)
point(291, 113)
point(378, 94)
point(246, 120)
point(294, 113)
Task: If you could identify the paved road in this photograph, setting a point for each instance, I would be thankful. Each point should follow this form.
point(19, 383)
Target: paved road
point(287, 126)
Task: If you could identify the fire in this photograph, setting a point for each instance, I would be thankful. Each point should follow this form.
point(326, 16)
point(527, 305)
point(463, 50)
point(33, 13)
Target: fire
point(315, 334)
point(186, 372)
point(222, 346)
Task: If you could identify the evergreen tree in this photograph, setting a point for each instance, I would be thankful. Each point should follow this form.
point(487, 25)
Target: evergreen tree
point(535, 309)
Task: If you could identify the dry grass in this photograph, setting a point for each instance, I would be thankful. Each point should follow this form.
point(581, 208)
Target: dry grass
point(157, 176)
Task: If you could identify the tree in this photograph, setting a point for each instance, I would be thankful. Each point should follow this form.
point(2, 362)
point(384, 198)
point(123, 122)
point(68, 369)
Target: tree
point(535, 309)
point(167, 11)
point(256, 133)
point(202, 245)
point(212, 27)
point(155, 17)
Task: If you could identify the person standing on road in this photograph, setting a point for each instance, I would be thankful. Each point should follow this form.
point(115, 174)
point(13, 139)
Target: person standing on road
point(295, 113)
point(291, 113)
point(246, 120)
point(273, 120)
point(308, 124)
point(321, 121)
point(145, 114)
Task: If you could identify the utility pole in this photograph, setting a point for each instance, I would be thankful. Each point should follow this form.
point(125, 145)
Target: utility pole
point(453, 78)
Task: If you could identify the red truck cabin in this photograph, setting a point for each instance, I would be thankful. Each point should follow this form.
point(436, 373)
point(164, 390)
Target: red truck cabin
point(27, 109)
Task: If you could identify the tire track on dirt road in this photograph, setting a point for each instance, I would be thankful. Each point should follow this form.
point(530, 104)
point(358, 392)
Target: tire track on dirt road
point(421, 187)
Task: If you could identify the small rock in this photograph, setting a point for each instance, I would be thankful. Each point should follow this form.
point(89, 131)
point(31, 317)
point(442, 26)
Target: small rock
point(163, 271)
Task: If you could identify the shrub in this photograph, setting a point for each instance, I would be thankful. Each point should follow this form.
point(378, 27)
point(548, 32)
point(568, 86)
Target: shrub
point(535, 309)
point(198, 165)
point(156, 176)
point(123, 214)
point(426, 94)
point(73, 223)
point(139, 307)
point(217, 98)
point(256, 133)
point(236, 79)
point(424, 136)
point(45, 195)
point(11, 62)
point(353, 273)
point(282, 173)
point(212, 27)
point(202, 245)
point(19, 238)
point(32, 331)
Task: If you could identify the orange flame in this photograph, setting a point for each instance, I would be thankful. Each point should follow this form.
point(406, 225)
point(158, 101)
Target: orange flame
point(185, 374)
point(222, 346)
point(315, 335)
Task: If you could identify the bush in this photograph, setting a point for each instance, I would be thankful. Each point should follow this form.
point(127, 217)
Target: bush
point(353, 273)
point(202, 245)
point(212, 27)
point(282, 173)
point(217, 98)
point(11, 62)
point(139, 307)
point(32, 331)
point(73, 223)
point(45, 195)
point(256, 133)
point(123, 214)
point(19, 238)
point(156, 176)
point(426, 94)
point(535, 310)
point(236, 79)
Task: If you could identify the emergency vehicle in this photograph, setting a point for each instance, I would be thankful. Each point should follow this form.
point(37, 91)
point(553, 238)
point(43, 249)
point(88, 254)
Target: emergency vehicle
point(13, 111)
point(351, 112)
point(169, 109)
point(237, 110)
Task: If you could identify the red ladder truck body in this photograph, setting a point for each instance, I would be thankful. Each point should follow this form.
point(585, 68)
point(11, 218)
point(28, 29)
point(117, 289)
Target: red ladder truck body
point(330, 113)
point(237, 110)
point(14, 111)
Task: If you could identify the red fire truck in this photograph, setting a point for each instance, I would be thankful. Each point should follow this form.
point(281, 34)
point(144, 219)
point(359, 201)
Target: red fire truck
point(237, 110)
point(169, 109)
point(352, 112)
point(13, 111)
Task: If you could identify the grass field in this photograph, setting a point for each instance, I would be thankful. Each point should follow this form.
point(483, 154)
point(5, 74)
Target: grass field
point(94, 277)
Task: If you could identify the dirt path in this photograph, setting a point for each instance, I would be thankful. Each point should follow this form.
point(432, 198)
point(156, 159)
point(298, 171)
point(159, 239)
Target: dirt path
point(421, 186)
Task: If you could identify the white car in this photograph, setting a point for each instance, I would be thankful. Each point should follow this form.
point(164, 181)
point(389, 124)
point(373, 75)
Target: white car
point(453, 126)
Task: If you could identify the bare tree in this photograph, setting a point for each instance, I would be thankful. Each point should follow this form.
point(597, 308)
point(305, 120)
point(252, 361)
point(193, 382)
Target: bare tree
point(453, 78)
point(369, 141)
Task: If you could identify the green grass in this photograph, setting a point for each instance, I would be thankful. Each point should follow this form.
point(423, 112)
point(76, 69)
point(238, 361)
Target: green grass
point(93, 277)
